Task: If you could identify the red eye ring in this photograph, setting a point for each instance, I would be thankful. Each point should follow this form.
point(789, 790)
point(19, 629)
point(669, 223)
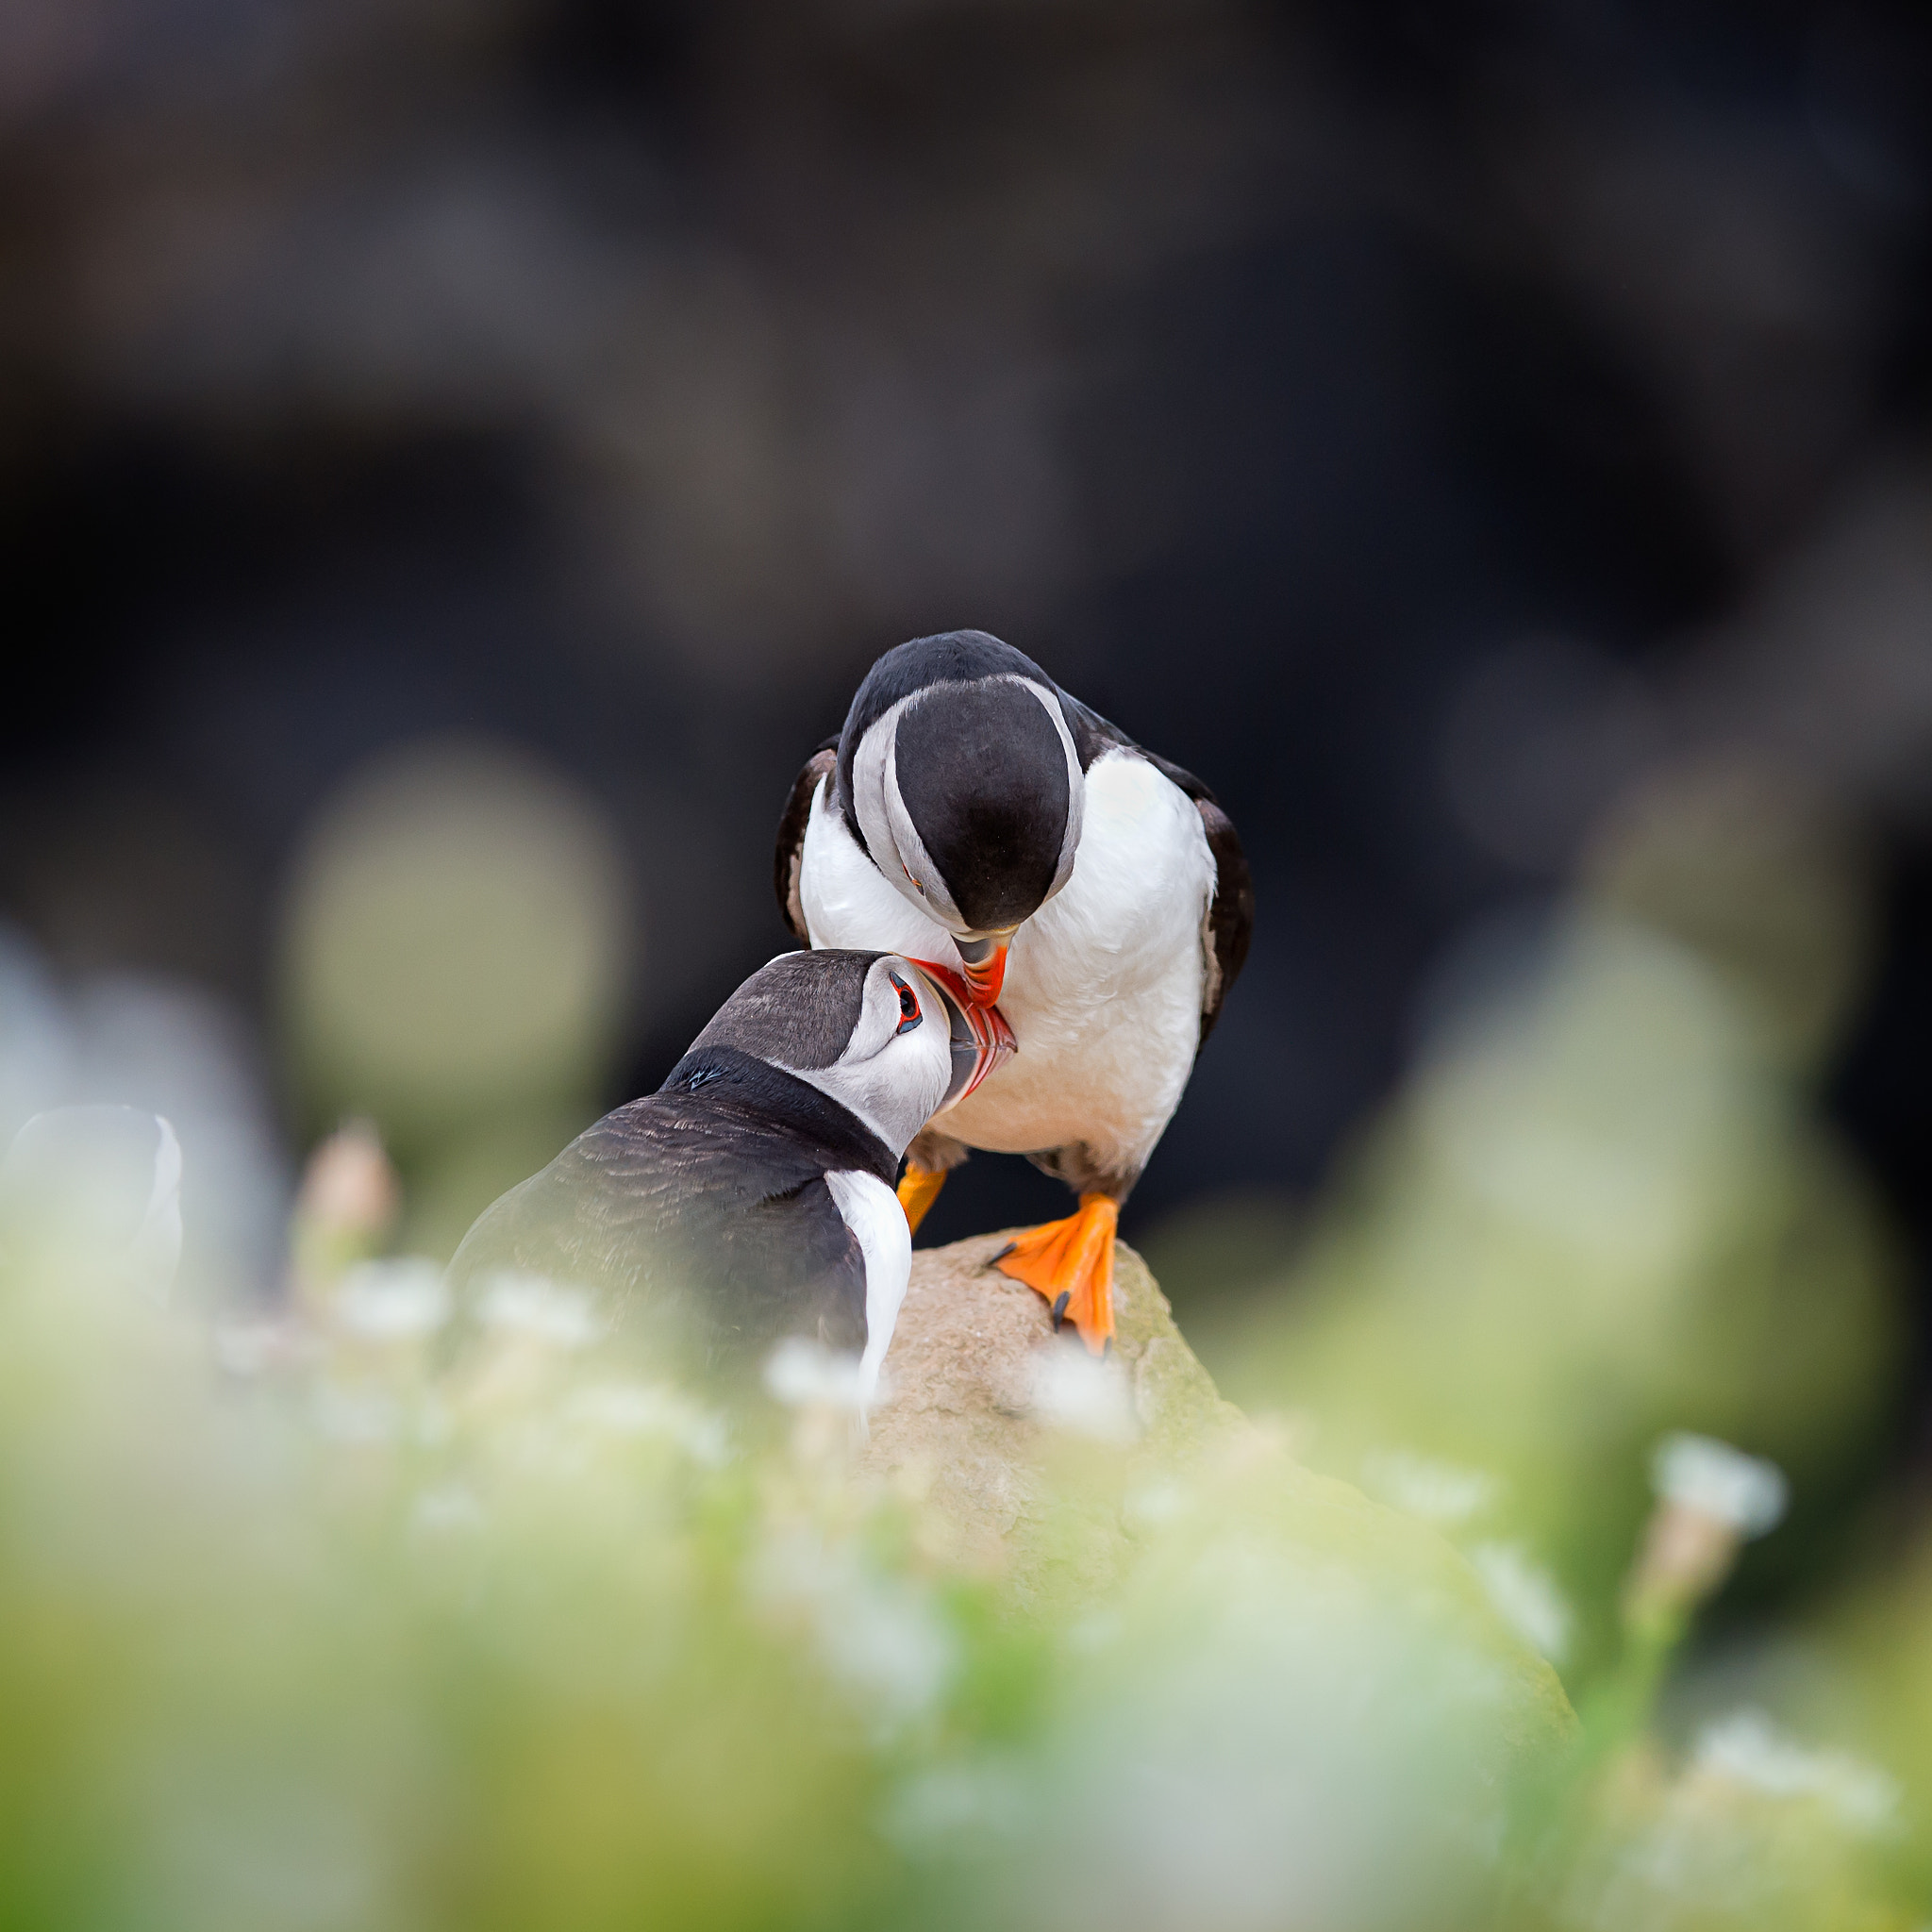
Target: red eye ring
point(909, 1015)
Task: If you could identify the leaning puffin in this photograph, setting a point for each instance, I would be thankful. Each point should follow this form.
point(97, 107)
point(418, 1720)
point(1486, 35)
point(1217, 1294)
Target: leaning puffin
point(750, 1198)
point(972, 810)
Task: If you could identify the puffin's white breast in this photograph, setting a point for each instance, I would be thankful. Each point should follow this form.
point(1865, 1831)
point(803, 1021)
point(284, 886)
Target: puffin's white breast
point(872, 1211)
point(1103, 984)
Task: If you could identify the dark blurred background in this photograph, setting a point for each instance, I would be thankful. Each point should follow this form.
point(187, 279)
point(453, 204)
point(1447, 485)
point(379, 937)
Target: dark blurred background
point(1422, 421)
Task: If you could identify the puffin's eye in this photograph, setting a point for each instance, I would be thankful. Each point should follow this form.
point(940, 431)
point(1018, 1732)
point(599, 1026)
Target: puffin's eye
point(908, 1007)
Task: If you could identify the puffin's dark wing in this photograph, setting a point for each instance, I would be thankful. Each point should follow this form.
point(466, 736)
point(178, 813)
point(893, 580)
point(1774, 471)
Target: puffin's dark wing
point(791, 854)
point(1231, 913)
point(692, 1207)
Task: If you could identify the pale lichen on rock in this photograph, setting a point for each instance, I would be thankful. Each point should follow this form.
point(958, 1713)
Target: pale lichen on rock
point(966, 1367)
point(996, 1420)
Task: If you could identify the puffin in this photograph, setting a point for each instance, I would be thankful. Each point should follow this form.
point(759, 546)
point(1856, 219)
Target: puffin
point(750, 1198)
point(973, 813)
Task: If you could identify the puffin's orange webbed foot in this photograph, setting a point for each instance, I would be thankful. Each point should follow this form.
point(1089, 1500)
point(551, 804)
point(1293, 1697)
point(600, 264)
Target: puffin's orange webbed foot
point(918, 1188)
point(1071, 1263)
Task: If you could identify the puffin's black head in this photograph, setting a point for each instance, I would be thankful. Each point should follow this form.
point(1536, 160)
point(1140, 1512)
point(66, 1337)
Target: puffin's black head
point(960, 771)
point(883, 1036)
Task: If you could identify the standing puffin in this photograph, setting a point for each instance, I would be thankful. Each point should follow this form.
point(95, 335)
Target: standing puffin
point(750, 1198)
point(972, 810)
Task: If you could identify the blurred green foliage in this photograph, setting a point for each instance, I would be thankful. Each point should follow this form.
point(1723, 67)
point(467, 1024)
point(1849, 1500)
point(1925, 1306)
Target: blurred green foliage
point(298, 1631)
point(457, 953)
point(313, 1618)
point(1604, 1207)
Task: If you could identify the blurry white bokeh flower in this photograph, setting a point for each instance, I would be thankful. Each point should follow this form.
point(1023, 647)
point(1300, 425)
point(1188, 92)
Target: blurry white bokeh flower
point(879, 1634)
point(395, 1301)
point(655, 1409)
point(1084, 1395)
point(535, 1307)
point(356, 1413)
point(1745, 1492)
point(1444, 1493)
point(1711, 1500)
point(1526, 1597)
point(1748, 1749)
point(257, 1343)
point(1245, 1738)
point(1155, 1504)
point(807, 1374)
point(448, 1507)
point(935, 1808)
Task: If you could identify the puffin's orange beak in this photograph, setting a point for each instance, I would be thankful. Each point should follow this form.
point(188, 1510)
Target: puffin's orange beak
point(984, 963)
point(981, 1038)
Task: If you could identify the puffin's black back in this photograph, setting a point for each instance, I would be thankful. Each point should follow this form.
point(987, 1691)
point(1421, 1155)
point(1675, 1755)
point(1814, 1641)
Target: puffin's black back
point(699, 1215)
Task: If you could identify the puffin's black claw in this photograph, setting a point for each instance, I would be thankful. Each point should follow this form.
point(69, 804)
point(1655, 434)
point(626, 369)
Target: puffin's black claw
point(1059, 1308)
point(994, 1260)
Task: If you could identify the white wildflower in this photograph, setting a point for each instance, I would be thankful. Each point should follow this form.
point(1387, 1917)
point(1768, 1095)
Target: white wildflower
point(356, 1415)
point(877, 1634)
point(1745, 1492)
point(1526, 1597)
point(450, 1506)
point(541, 1310)
point(248, 1345)
point(642, 1408)
point(1085, 1395)
point(392, 1301)
point(1748, 1749)
point(807, 1374)
point(1092, 1634)
point(887, 1640)
point(1711, 1500)
point(936, 1807)
point(433, 1425)
point(1442, 1493)
point(1156, 1502)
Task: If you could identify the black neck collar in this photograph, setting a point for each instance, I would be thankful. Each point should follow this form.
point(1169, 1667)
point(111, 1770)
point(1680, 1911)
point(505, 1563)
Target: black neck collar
point(789, 1104)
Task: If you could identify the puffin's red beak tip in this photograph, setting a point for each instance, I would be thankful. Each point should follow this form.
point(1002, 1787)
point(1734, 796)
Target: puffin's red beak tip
point(995, 1042)
point(992, 1035)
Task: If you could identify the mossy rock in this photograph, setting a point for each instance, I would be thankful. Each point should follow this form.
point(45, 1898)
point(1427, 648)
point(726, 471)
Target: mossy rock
point(1068, 1521)
point(964, 1368)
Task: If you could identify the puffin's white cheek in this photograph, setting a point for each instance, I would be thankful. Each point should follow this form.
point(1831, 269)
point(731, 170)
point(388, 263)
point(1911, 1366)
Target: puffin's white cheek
point(917, 1077)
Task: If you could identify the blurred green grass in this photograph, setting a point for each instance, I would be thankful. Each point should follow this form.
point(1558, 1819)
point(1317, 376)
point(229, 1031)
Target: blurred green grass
point(311, 1618)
